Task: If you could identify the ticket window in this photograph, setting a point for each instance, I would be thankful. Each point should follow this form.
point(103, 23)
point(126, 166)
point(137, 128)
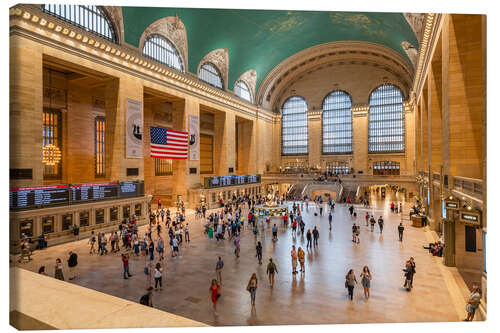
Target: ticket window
point(126, 212)
point(138, 210)
point(48, 224)
point(26, 228)
point(67, 221)
point(113, 214)
point(84, 218)
point(99, 216)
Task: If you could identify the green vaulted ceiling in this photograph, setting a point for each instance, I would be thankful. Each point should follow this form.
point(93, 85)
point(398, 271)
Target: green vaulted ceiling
point(261, 39)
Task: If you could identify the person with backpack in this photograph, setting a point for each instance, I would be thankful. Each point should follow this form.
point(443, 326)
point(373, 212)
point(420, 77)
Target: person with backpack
point(72, 263)
point(258, 249)
point(302, 258)
point(372, 223)
point(218, 269)
point(147, 299)
point(381, 223)
point(271, 270)
point(252, 288)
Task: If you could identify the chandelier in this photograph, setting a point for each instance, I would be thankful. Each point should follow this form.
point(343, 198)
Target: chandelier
point(51, 155)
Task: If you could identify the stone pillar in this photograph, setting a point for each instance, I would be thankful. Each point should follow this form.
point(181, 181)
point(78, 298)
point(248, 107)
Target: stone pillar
point(183, 180)
point(26, 108)
point(360, 141)
point(314, 136)
point(224, 143)
point(449, 241)
point(116, 95)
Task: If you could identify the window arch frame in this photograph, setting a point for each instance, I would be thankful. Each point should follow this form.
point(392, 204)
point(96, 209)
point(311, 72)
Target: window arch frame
point(323, 123)
point(247, 88)
point(218, 74)
point(101, 12)
point(171, 44)
point(283, 153)
point(390, 112)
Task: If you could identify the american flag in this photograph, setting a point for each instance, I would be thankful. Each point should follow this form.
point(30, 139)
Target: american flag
point(166, 143)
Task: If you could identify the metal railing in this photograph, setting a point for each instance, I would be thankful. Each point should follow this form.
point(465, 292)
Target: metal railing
point(468, 185)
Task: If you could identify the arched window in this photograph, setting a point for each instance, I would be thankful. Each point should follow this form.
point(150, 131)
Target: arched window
point(386, 120)
point(210, 74)
point(294, 134)
point(241, 89)
point(337, 123)
point(87, 17)
point(162, 50)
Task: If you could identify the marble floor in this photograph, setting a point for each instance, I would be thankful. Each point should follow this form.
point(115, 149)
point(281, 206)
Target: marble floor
point(316, 297)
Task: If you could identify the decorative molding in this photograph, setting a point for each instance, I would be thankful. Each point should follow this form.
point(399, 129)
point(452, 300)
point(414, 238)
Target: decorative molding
point(115, 15)
point(411, 51)
point(360, 110)
point(314, 115)
point(30, 22)
point(250, 78)
point(416, 22)
point(342, 52)
point(220, 59)
point(173, 29)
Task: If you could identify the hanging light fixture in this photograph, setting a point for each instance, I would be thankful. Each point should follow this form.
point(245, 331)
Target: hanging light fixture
point(51, 155)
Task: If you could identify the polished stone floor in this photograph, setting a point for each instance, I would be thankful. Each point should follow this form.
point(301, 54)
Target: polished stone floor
point(316, 297)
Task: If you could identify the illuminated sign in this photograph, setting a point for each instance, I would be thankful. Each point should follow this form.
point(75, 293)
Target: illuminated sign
point(471, 218)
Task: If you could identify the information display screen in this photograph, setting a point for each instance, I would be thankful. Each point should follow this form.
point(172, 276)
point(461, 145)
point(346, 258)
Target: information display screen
point(97, 191)
point(131, 188)
point(26, 197)
point(211, 182)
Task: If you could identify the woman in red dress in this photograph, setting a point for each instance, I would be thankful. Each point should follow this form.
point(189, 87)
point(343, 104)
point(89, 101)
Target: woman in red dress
point(214, 293)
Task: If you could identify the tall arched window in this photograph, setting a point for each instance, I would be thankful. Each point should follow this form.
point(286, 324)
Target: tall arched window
point(162, 50)
point(386, 120)
point(294, 134)
point(241, 89)
point(337, 123)
point(87, 17)
point(211, 75)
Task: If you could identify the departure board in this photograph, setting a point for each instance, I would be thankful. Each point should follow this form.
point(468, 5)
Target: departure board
point(212, 182)
point(131, 188)
point(94, 191)
point(26, 197)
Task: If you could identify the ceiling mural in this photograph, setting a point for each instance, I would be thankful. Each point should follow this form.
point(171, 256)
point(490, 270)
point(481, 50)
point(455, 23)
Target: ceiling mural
point(262, 39)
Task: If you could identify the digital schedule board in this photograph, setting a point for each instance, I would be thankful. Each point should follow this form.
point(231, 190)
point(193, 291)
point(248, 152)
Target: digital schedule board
point(212, 182)
point(71, 194)
point(37, 196)
point(95, 191)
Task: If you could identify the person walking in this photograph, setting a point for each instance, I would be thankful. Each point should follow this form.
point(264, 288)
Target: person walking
point(350, 282)
point(294, 228)
point(258, 249)
point(295, 257)
point(354, 232)
point(58, 272)
point(92, 242)
point(218, 269)
point(237, 246)
point(372, 223)
point(271, 270)
point(302, 258)
point(400, 231)
point(367, 218)
point(126, 271)
point(315, 233)
point(381, 223)
point(473, 302)
point(330, 218)
point(409, 272)
point(252, 288)
point(366, 277)
point(275, 232)
point(214, 294)
point(160, 247)
point(309, 239)
point(158, 275)
point(72, 263)
point(186, 233)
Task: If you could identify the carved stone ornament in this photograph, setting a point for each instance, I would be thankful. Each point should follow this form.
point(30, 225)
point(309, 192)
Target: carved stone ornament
point(115, 15)
point(250, 78)
point(416, 22)
point(172, 28)
point(220, 59)
point(411, 51)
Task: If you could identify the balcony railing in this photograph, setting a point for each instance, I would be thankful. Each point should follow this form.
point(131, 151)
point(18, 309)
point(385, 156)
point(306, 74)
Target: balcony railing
point(468, 185)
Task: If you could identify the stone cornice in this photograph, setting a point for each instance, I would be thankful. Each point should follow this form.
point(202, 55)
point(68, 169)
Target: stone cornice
point(41, 27)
